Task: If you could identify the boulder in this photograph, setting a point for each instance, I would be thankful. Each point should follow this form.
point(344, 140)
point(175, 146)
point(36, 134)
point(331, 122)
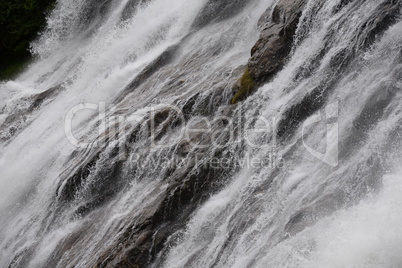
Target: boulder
point(269, 54)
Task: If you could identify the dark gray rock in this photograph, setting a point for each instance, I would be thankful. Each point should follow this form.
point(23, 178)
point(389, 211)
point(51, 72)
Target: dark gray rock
point(218, 10)
point(269, 54)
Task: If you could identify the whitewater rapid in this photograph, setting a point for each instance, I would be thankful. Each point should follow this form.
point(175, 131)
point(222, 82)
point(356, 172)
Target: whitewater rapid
point(306, 212)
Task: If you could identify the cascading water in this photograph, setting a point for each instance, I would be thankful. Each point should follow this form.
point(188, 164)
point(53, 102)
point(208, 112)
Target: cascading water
point(119, 185)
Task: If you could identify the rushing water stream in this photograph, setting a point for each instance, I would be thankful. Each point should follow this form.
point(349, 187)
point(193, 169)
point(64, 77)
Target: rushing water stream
point(95, 170)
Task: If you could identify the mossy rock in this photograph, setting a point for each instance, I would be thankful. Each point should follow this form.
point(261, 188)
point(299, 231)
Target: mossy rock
point(245, 87)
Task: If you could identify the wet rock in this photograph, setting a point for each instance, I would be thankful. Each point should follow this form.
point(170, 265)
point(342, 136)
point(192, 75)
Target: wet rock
point(271, 51)
point(243, 87)
point(269, 54)
point(372, 112)
point(20, 118)
point(70, 187)
point(319, 208)
point(385, 16)
point(178, 196)
point(38, 99)
point(218, 10)
point(98, 179)
point(131, 7)
point(165, 58)
point(92, 10)
point(300, 111)
point(338, 65)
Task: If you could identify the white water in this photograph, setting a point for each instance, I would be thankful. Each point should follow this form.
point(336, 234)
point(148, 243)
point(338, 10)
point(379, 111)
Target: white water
point(351, 213)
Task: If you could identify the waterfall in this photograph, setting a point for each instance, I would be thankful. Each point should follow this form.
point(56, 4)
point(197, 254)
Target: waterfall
point(121, 145)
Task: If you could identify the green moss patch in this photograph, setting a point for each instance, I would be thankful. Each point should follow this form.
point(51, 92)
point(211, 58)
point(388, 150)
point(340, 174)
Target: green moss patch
point(247, 85)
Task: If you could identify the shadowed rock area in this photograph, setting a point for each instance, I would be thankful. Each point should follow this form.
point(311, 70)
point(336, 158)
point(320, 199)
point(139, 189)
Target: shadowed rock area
point(269, 54)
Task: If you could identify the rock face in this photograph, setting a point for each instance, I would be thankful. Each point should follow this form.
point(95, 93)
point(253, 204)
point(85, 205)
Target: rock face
point(269, 54)
point(176, 197)
point(19, 118)
point(367, 32)
point(271, 51)
point(217, 10)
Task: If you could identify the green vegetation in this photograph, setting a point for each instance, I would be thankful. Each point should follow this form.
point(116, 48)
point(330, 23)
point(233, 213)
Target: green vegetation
point(20, 22)
point(247, 84)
